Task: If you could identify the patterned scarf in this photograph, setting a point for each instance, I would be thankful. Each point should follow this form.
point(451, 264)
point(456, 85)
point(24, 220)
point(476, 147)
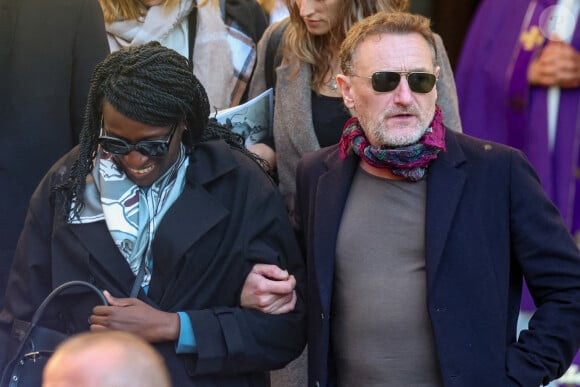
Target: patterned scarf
point(132, 213)
point(409, 161)
point(159, 22)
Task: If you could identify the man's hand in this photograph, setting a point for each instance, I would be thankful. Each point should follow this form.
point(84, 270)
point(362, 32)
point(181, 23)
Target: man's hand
point(269, 289)
point(135, 316)
point(557, 65)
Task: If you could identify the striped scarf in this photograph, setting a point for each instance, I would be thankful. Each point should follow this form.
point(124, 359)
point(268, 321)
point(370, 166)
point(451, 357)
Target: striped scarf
point(409, 161)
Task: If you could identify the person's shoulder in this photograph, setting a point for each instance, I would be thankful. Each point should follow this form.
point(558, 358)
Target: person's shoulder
point(247, 16)
point(476, 148)
point(276, 28)
point(321, 156)
point(216, 158)
point(62, 166)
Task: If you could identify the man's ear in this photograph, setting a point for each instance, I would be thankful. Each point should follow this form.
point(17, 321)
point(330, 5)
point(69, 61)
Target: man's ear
point(344, 83)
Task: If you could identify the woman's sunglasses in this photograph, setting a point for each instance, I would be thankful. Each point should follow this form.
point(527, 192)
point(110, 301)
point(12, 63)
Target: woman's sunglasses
point(385, 81)
point(149, 148)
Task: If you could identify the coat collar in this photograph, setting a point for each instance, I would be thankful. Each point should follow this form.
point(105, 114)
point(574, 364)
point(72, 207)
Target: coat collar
point(297, 113)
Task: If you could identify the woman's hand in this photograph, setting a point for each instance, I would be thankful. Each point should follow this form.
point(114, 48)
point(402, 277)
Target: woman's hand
point(135, 316)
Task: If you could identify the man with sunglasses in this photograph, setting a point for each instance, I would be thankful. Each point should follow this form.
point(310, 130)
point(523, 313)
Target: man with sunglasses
point(417, 238)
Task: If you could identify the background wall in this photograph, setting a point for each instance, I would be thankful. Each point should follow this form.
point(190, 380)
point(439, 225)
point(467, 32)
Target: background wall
point(450, 19)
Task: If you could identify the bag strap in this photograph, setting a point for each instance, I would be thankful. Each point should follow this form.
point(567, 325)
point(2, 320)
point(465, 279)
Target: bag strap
point(40, 311)
point(29, 327)
point(191, 33)
point(273, 53)
point(223, 9)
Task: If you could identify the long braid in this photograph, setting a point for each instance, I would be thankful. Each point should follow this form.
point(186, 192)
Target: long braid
point(150, 84)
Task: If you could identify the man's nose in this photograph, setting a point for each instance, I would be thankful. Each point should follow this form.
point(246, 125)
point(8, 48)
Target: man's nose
point(403, 94)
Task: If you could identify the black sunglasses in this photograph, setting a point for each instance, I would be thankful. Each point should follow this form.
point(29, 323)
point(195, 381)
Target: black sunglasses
point(149, 148)
point(385, 81)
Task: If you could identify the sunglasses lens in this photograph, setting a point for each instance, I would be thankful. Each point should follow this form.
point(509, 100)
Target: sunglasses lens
point(153, 149)
point(114, 146)
point(385, 81)
point(421, 82)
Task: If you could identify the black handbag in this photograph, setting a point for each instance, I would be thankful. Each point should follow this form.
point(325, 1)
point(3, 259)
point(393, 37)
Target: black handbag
point(37, 343)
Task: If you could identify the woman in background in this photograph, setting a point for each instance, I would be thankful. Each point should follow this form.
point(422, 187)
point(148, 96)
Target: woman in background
point(218, 36)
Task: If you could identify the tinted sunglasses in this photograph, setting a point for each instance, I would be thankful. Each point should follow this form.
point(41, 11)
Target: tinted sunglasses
point(149, 148)
point(385, 81)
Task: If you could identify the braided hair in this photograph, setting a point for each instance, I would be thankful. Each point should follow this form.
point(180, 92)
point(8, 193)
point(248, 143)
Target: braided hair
point(150, 84)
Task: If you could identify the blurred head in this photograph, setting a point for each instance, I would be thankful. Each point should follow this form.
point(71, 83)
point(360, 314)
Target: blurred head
point(140, 94)
point(115, 10)
point(105, 359)
point(318, 27)
point(389, 66)
point(319, 16)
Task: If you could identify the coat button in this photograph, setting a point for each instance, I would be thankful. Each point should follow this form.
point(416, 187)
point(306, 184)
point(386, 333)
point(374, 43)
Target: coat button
point(317, 384)
point(322, 316)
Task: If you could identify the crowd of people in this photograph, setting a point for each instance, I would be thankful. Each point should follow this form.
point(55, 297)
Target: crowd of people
point(366, 241)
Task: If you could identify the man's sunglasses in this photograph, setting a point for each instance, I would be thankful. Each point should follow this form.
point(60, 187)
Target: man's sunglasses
point(149, 148)
point(385, 81)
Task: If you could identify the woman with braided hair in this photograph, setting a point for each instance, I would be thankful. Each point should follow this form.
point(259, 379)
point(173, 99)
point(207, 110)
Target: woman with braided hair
point(169, 219)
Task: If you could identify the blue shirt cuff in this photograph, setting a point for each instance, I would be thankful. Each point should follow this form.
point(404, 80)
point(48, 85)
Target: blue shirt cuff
point(186, 341)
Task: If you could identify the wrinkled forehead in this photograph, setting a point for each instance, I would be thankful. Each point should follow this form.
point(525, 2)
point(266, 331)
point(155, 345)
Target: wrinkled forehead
point(395, 51)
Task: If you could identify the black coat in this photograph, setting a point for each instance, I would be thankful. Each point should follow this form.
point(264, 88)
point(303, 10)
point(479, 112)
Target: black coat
point(488, 224)
point(229, 216)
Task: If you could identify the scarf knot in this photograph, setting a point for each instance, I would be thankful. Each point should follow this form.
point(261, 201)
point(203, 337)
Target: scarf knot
point(408, 161)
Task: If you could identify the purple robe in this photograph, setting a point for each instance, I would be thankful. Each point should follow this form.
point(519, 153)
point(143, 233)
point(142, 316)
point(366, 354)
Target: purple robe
point(496, 102)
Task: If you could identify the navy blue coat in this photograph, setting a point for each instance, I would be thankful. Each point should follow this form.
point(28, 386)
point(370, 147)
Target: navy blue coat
point(228, 217)
point(488, 223)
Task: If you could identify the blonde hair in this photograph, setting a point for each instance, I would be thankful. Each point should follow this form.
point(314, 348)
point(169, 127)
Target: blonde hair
point(267, 5)
point(118, 10)
point(318, 50)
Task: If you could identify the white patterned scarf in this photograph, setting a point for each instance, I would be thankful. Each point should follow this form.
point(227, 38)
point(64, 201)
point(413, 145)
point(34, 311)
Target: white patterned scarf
point(132, 213)
point(224, 80)
point(158, 24)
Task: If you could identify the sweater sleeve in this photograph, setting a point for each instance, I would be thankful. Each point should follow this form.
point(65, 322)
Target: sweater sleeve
point(446, 90)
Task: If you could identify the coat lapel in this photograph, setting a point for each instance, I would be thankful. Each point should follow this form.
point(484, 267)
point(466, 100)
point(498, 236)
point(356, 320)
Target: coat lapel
point(188, 220)
point(444, 188)
point(98, 243)
point(297, 113)
point(331, 194)
point(192, 215)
